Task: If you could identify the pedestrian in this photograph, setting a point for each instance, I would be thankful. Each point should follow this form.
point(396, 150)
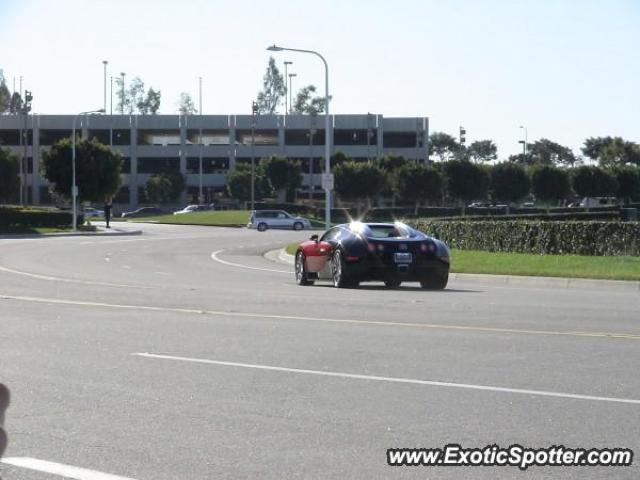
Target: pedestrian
point(107, 212)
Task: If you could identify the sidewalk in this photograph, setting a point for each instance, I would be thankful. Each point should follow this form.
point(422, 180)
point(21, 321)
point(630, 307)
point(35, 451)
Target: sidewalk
point(117, 229)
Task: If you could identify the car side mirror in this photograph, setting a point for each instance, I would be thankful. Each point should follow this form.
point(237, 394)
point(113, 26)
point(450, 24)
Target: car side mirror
point(314, 238)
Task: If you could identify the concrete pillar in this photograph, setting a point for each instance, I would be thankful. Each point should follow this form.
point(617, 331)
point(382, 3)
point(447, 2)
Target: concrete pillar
point(36, 181)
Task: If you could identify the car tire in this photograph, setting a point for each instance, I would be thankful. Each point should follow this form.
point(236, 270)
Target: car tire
point(298, 226)
point(262, 227)
point(436, 282)
point(339, 274)
point(393, 282)
point(302, 277)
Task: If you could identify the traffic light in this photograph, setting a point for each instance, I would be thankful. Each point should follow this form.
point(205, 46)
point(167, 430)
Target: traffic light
point(463, 134)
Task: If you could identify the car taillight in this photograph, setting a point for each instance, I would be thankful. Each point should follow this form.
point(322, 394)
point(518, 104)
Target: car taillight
point(427, 247)
point(444, 259)
point(371, 247)
point(380, 247)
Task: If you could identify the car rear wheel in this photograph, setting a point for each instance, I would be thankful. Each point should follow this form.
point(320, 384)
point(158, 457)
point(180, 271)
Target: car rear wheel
point(435, 282)
point(392, 282)
point(298, 226)
point(302, 277)
point(339, 274)
point(262, 227)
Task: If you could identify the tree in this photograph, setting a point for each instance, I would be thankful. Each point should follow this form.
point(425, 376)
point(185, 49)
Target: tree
point(164, 187)
point(358, 181)
point(483, 151)
point(97, 169)
point(284, 175)
point(416, 182)
point(589, 181)
point(444, 146)
point(151, 103)
point(466, 181)
point(15, 104)
point(628, 179)
point(134, 99)
point(5, 95)
point(509, 183)
point(135, 95)
point(9, 181)
point(308, 103)
point(546, 152)
point(186, 105)
point(550, 184)
point(239, 183)
point(273, 89)
point(611, 151)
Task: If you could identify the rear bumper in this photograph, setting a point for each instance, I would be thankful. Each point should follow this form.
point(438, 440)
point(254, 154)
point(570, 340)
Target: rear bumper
point(383, 268)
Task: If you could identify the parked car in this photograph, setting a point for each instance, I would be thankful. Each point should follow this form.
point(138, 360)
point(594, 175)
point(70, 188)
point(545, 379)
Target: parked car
point(143, 212)
point(90, 212)
point(193, 208)
point(594, 202)
point(357, 252)
point(265, 219)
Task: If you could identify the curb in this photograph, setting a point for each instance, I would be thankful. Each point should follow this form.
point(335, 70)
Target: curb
point(71, 234)
point(281, 256)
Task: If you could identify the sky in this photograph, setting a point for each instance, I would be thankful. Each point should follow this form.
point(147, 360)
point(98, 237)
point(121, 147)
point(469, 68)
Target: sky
point(566, 70)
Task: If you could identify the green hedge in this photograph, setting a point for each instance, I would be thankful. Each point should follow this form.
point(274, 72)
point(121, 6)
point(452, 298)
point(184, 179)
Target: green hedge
point(13, 217)
point(552, 217)
point(540, 237)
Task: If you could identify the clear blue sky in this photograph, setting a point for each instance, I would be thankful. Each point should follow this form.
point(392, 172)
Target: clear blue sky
point(565, 69)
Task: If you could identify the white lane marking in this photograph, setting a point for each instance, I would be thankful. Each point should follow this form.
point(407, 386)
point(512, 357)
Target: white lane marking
point(71, 280)
point(57, 301)
point(215, 258)
point(61, 469)
point(412, 381)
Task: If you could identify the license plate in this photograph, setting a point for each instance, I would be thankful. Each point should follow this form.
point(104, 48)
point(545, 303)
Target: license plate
point(403, 257)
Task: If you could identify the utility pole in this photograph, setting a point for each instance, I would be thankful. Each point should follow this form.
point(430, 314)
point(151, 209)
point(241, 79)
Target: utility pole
point(312, 131)
point(105, 62)
point(122, 93)
point(24, 142)
point(200, 196)
point(291, 75)
point(111, 114)
point(254, 112)
point(286, 93)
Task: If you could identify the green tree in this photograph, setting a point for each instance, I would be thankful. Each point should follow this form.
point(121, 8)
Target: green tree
point(546, 152)
point(238, 183)
point(9, 181)
point(159, 189)
point(186, 105)
point(611, 151)
point(550, 184)
point(151, 103)
point(444, 146)
point(284, 175)
point(509, 183)
point(628, 178)
point(5, 95)
point(308, 103)
point(98, 169)
point(358, 181)
point(415, 182)
point(466, 181)
point(593, 146)
point(273, 89)
point(15, 103)
point(589, 181)
point(483, 151)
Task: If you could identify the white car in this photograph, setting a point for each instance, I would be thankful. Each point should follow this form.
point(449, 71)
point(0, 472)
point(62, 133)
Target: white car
point(261, 220)
point(191, 209)
point(89, 212)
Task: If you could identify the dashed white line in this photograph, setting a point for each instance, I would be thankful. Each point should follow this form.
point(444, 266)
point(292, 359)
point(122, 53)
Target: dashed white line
point(413, 381)
point(54, 468)
point(214, 257)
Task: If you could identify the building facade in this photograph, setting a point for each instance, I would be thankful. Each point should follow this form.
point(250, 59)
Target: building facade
point(152, 144)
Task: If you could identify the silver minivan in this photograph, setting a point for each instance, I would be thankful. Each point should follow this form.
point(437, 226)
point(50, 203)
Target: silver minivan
point(261, 220)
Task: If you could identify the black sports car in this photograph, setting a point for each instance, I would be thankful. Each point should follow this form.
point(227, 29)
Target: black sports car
point(357, 252)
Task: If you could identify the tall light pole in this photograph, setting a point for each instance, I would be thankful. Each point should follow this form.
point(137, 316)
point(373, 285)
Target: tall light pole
point(327, 139)
point(286, 64)
point(524, 143)
point(105, 62)
point(254, 112)
point(200, 197)
point(74, 187)
point(111, 114)
point(291, 75)
point(122, 93)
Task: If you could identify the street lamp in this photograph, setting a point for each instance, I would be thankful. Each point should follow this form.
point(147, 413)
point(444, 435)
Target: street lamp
point(286, 64)
point(327, 140)
point(291, 75)
point(74, 187)
point(105, 62)
point(524, 143)
point(122, 95)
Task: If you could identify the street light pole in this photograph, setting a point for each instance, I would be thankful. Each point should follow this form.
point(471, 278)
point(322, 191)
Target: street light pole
point(200, 197)
point(291, 75)
point(254, 112)
point(122, 97)
point(524, 144)
point(105, 62)
point(327, 139)
point(74, 187)
point(286, 64)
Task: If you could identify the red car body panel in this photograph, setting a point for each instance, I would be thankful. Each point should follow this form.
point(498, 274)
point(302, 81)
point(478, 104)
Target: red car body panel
point(316, 255)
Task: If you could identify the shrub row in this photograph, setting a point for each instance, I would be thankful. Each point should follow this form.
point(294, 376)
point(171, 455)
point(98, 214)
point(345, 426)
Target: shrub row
point(539, 237)
point(552, 217)
point(14, 217)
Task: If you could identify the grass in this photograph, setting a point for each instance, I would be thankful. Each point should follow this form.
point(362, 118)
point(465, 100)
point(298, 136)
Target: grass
point(570, 266)
point(222, 218)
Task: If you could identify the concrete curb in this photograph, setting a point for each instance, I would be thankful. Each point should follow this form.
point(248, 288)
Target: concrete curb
point(121, 233)
point(281, 256)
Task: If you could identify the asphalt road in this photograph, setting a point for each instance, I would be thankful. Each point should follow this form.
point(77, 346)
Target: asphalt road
point(244, 374)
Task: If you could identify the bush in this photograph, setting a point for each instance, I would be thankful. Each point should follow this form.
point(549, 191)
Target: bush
point(22, 218)
point(539, 237)
point(551, 217)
